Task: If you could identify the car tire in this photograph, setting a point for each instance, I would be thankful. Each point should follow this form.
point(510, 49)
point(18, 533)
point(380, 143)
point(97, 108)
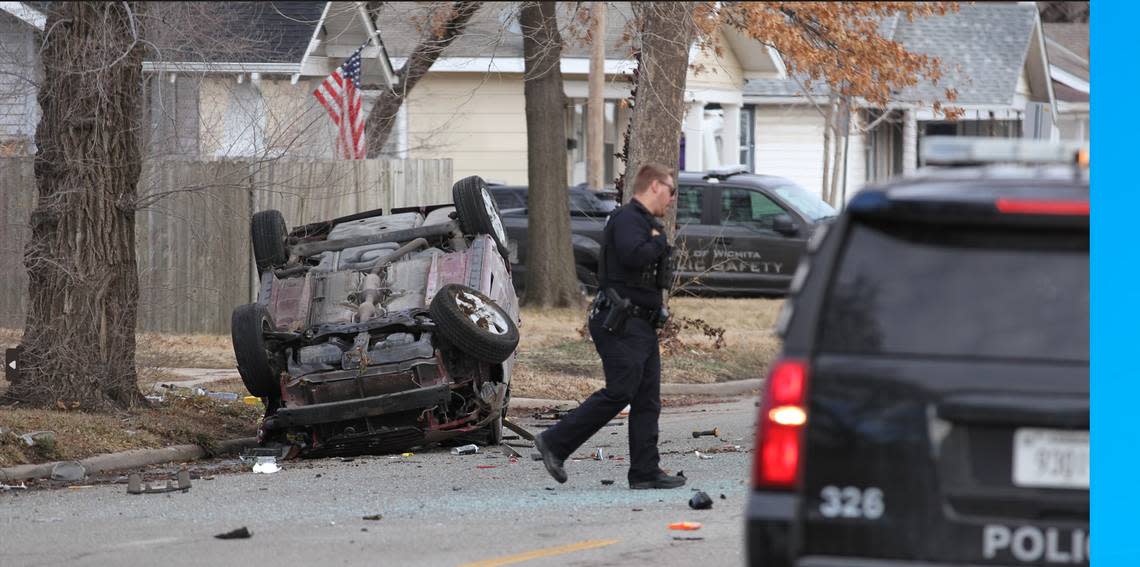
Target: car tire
point(493, 339)
point(268, 231)
point(478, 212)
point(248, 325)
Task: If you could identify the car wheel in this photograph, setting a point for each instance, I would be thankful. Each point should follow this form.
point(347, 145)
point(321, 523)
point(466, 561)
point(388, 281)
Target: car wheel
point(478, 212)
point(248, 326)
point(474, 323)
point(268, 231)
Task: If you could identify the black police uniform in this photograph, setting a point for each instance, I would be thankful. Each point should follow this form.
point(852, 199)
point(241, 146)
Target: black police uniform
point(631, 357)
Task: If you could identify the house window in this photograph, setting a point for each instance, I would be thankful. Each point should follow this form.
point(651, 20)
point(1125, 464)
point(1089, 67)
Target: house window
point(748, 137)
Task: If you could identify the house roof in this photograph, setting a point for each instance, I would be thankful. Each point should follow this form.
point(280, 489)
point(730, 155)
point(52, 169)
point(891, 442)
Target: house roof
point(250, 32)
point(493, 31)
point(1068, 48)
point(982, 47)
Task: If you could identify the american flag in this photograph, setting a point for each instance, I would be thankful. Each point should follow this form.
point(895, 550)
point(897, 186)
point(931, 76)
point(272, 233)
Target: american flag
point(340, 95)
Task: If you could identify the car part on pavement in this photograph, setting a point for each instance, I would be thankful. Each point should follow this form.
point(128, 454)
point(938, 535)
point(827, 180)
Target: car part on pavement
point(701, 501)
point(240, 533)
point(181, 484)
point(465, 450)
point(714, 432)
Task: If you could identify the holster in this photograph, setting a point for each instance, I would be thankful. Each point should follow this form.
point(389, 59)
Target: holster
point(618, 313)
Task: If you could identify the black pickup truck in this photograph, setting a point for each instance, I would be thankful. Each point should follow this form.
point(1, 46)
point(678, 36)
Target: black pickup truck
point(738, 233)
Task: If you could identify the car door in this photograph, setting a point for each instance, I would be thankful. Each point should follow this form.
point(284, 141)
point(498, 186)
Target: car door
point(749, 255)
point(696, 230)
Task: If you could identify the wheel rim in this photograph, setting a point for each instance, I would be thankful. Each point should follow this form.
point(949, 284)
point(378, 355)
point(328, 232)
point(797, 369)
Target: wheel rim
point(481, 313)
point(493, 214)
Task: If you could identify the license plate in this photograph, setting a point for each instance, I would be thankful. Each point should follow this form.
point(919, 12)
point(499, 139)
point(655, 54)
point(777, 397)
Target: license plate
point(1050, 458)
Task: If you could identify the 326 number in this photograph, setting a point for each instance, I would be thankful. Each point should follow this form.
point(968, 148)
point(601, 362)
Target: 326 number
point(851, 502)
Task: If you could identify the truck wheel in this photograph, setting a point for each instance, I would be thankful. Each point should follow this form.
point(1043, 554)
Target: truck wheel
point(474, 323)
point(247, 329)
point(268, 231)
point(587, 279)
point(478, 211)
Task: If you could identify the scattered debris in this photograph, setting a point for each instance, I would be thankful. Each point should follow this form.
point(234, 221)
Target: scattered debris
point(135, 484)
point(729, 448)
point(487, 466)
point(681, 474)
point(638, 509)
point(69, 471)
point(550, 416)
point(251, 400)
point(702, 456)
point(723, 497)
point(687, 538)
point(465, 450)
point(714, 432)
point(20, 486)
point(536, 456)
point(607, 481)
point(347, 459)
point(406, 455)
point(700, 501)
point(550, 488)
point(266, 465)
point(686, 526)
point(510, 437)
point(511, 451)
point(41, 438)
point(518, 429)
point(599, 455)
point(373, 517)
point(240, 533)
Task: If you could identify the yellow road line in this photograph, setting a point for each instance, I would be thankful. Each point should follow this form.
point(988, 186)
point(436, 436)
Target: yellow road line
point(545, 552)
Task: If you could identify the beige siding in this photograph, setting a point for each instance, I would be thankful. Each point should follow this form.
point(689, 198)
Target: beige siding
point(789, 143)
point(707, 70)
point(477, 121)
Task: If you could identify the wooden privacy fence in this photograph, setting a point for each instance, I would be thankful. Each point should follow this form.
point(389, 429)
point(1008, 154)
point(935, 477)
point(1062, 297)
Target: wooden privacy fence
point(192, 226)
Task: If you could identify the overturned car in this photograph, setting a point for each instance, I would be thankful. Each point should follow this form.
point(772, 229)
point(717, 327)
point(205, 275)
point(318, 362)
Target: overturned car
point(377, 332)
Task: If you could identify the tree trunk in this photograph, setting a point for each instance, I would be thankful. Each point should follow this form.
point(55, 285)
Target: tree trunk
point(550, 276)
point(595, 115)
point(828, 129)
point(665, 32)
point(382, 118)
point(79, 337)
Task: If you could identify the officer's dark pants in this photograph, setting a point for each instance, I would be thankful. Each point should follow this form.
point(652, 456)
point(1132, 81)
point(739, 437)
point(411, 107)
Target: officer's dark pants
point(632, 363)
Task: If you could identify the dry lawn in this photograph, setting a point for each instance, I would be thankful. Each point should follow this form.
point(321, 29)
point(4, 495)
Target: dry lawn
point(79, 435)
point(556, 362)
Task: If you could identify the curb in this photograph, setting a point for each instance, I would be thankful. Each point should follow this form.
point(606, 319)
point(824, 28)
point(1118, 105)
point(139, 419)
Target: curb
point(129, 459)
point(734, 388)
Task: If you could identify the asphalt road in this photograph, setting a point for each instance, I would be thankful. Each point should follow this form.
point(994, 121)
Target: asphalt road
point(437, 509)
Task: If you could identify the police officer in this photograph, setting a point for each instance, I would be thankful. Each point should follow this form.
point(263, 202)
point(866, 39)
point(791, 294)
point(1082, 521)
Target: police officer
point(633, 269)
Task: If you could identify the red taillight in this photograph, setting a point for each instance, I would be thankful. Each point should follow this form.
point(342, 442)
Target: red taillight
point(1036, 207)
point(783, 415)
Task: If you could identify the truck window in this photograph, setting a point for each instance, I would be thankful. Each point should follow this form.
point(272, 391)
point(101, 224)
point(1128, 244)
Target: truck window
point(688, 205)
point(745, 207)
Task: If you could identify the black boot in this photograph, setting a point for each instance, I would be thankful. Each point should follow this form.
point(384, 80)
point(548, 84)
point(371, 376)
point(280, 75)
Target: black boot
point(553, 464)
point(662, 480)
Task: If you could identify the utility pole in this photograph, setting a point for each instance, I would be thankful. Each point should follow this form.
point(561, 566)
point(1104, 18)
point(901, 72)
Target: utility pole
point(595, 110)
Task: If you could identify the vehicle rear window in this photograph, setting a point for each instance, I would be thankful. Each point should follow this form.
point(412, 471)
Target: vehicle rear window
point(936, 290)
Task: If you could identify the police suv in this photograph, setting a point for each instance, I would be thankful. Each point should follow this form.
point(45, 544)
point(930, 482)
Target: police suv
point(931, 404)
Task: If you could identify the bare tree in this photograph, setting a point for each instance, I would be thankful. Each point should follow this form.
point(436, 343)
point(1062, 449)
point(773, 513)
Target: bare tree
point(550, 277)
point(665, 31)
point(447, 23)
point(83, 280)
